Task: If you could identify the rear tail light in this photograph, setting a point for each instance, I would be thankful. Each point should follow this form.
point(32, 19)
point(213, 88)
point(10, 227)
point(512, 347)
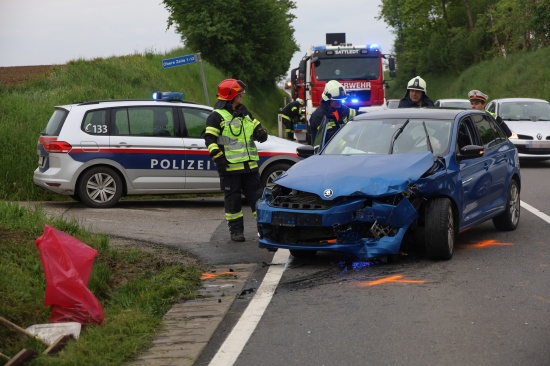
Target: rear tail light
point(51, 145)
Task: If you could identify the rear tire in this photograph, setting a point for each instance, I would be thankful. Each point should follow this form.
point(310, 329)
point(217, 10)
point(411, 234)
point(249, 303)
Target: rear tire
point(100, 187)
point(509, 219)
point(440, 229)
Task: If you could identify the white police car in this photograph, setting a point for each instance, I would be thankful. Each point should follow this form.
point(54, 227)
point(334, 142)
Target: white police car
point(99, 151)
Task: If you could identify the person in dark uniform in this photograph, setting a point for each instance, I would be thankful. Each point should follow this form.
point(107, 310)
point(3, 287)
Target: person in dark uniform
point(333, 109)
point(230, 134)
point(478, 100)
point(292, 114)
point(416, 95)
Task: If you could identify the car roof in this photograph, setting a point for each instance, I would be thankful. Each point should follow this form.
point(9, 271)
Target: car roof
point(97, 104)
point(511, 100)
point(429, 113)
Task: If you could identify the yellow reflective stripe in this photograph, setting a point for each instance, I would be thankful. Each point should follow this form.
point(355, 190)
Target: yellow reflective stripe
point(213, 146)
point(217, 155)
point(254, 213)
point(231, 167)
point(234, 216)
point(213, 131)
point(289, 130)
point(256, 122)
point(285, 116)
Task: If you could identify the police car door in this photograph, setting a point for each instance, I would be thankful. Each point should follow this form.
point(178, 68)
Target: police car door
point(201, 173)
point(145, 143)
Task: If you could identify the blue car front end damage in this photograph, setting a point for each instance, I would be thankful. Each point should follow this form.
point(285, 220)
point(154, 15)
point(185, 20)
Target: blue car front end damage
point(360, 205)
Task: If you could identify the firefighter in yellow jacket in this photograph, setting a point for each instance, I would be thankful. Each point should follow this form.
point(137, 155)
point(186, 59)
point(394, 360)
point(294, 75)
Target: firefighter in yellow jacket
point(230, 134)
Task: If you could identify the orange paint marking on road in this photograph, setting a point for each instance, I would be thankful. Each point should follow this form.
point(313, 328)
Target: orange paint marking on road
point(209, 276)
point(390, 279)
point(487, 243)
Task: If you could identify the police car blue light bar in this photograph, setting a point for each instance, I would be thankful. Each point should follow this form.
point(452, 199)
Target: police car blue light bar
point(168, 96)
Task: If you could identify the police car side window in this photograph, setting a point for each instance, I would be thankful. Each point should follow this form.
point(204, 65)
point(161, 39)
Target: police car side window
point(95, 122)
point(195, 121)
point(145, 121)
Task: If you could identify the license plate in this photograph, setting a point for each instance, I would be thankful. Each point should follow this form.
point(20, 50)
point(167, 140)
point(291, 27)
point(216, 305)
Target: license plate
point(295, 219)
point(538, 144)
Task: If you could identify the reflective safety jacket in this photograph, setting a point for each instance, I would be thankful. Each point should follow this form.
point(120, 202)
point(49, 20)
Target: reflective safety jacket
point(234, 136)
point(501, 123)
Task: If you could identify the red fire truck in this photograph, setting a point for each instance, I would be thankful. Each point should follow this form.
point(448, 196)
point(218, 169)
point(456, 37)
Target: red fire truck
point(358, 67)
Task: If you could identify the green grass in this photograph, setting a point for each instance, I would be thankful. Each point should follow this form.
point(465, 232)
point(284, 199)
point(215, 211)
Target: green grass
point(135, 290)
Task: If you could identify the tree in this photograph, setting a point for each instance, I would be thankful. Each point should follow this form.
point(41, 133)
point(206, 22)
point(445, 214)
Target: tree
point(249, 40)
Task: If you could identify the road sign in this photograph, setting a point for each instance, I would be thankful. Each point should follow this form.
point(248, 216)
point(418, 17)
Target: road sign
point(178, 61)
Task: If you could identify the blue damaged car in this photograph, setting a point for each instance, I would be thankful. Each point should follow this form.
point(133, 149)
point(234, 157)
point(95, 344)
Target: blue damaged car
point(394, 176)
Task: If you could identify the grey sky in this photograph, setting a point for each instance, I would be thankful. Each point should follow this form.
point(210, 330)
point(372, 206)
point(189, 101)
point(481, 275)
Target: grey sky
point(45, 32)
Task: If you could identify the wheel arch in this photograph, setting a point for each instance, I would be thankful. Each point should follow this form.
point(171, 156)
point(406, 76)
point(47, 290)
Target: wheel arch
point(107, 164)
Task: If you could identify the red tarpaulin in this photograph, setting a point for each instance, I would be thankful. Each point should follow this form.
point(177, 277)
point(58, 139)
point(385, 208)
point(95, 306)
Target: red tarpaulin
point(67, 264)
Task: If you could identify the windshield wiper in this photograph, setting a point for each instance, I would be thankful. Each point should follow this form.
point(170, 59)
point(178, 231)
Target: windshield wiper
point(428, 142)
point(396, 135)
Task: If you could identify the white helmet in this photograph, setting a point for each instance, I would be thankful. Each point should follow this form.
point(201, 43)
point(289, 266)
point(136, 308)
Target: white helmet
point(299, 100)
point(417, 83)
point(334, 91)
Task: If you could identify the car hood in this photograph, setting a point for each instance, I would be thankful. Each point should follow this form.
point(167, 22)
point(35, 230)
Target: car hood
point(373, 175)
point(529, 127)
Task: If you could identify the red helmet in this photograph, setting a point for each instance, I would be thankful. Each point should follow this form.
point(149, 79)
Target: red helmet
point(230, 88)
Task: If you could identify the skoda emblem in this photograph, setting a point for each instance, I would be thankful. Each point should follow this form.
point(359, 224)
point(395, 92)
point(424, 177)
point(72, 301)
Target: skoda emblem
point(328, 193)
point(539, 136)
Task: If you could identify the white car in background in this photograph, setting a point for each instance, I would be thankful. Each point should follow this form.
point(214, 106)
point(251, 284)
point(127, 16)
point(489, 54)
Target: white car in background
point(529, 120)
point(99, 151)
point(453, 103)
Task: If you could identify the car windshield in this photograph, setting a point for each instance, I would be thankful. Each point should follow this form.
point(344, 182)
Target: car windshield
point(376, 136)
point(360, 68)
point(525, 111)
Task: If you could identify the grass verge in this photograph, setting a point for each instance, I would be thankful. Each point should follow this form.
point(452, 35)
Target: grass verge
point(135, 288)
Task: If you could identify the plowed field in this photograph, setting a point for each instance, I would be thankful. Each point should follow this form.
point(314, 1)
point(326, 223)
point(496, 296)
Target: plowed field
point(18, 74)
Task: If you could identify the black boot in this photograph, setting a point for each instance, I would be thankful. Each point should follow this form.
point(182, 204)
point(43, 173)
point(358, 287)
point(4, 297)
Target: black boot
point(237, 237)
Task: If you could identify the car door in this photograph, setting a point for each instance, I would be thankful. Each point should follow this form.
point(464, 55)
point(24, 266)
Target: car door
point(145, 143)
point(200, 170)
point(483, 177)
point(474, 174)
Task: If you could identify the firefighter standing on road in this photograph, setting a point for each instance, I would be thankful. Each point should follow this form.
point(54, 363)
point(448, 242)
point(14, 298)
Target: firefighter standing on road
point(292, 114)
point(230, 133)
point(332, 107)
point(416, 95)
point(478, 100)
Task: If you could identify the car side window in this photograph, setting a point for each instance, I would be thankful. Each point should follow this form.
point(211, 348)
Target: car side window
point(195, 122)
point(145, 121)
point(465, 134)
point(500, 133)
point(95, 122)
point(491, 107)
point(487, 132)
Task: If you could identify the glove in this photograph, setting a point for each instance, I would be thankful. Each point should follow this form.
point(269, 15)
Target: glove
point(260, 134)
point(219, 160)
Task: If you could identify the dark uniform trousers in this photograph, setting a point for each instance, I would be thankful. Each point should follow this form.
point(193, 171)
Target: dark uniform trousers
point(233, 186)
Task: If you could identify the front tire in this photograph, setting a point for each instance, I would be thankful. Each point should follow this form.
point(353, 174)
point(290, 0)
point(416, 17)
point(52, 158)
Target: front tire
point(100, 187)
point(509, 219)
point(440, 229)
point(273, 172)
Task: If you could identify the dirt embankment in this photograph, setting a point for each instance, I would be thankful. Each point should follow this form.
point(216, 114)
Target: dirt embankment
point(18, 74)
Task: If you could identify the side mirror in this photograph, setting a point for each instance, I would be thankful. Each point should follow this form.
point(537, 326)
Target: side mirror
point(305, 151)
point(391, 62)
point(302, 67)
point(471, 152)
point(392, 74)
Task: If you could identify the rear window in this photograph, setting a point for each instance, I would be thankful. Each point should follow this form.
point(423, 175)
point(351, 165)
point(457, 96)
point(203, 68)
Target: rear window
point(56, 122)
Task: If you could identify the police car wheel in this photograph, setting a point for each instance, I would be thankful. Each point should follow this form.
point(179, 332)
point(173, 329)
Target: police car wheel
point(100, 187)
point(273, 172)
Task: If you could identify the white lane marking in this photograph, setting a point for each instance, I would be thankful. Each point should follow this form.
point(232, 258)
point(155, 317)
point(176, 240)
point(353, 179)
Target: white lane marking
point(535, 211)
point(236, 340)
